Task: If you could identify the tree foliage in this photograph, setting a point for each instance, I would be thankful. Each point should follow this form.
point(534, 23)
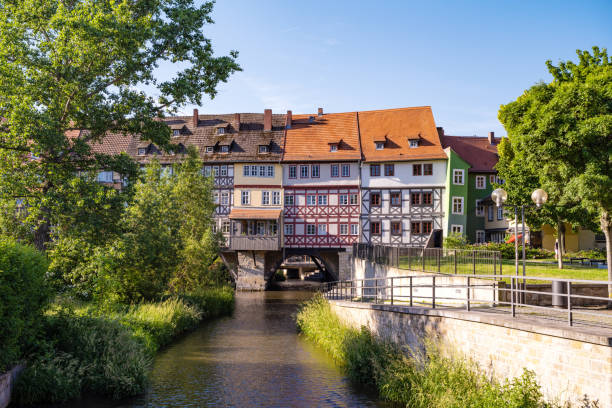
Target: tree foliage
point(73, 71)
point(560, 138)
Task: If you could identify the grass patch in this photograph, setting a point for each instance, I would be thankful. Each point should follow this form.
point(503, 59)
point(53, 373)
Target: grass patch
point(414, 381)
point(108, 351)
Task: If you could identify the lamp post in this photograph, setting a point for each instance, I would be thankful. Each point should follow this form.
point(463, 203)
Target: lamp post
point(539, 198)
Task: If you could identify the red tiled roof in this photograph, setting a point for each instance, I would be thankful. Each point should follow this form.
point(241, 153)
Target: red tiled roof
point(309, 140)
point(397, 126)
point(255, 214)
point(476, 151)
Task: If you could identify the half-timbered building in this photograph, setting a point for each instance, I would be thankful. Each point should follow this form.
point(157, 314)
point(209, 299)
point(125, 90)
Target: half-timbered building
point(321, 180)
point(402, 176)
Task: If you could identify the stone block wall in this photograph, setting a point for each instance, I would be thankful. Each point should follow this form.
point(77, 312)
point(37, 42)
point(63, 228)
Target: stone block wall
point(250, 270)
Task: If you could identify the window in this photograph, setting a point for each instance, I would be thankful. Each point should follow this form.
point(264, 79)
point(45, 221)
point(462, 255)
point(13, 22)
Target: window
point(346, 170)
point(264, 149)
point(303, 171)
point(375, 199)
point(225, 227)
point(270, 171)
point(480, 237)
point(490, 213)
point(389, 170)
point(215, 170)
point(415, 227)
point(289, 199)
point(216, 197)
point(457, 229)
point(292, 172)
point(354, 229)
point(343, 199)
point(105, 177)
point(380, 145)
point(261, 228)
point(396, 199)
point(375, 227)
point(343, 229)
point(209, 149)
point(223, 171)
point(396, 228)
point(310, 229)
point(354, 199)
point(458, 177)
point(207, 171)
point(176, 132)
point(416, 169)
point(479, 208)
point(427, 169)
point(426, 227)
point(262, 171)
point(500, 213)
point(493, 179)
point(276, 198)
point(322, 200)
point(334, 170)
point(220, 131)
point(254, 171)
point(225, 196)
point(314, 171)
point(265, 198)
point(322, 229)
point(415, 198)
point(481, 183)
point(374, 170)
point(333, 148)
point(426, 198)
point(457, 205)
point(288, 229)
point(245, 197)
point(224, 149)
point(414, 143)
point(311, 199)
point(142, 151)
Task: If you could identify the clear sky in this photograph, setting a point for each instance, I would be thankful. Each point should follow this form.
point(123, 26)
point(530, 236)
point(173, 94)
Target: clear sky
point(462, 58)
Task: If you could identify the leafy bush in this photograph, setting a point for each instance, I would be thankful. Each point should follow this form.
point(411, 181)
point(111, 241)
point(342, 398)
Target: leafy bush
point(23, 295)
point(455, 240)
point(599, 253)
point(414, 381)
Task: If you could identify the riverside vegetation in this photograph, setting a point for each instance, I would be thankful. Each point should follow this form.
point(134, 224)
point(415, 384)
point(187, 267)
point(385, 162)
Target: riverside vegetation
point(413, 380)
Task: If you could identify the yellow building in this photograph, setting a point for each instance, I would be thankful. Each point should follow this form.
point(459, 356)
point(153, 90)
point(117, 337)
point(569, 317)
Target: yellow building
point(575, 239)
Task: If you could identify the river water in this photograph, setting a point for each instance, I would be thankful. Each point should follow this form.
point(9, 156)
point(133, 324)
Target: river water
point(253, 358)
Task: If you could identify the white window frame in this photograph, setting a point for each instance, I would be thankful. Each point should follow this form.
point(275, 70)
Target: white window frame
point(245, 197)
point(322, 200)
point(483, 182)
point(225, 198)
point(335, 168)
point(343, 199)
point(265, 198)
point(303, 171)
point(344, 229)
point(103, 177)
point(355, 229)
point(262, 171)
point(224, 149)
point(457, 228)
point(333, 147)
point(459, 200)
point(225, 227)
point(142, 151)
point(309, 231)
point(354, 199)
point(264, 149)
point(176, 132)
point(221, 131)
point(292, 172)
point(289, 229)
point(223, 170)
point(460, 173)
point(480, 236)
point(270, 171)
point(209, 149)
point(276, 198)
point(289, 199)
point(313, 173)
point(500, 213)
point(207, 171)
point(322, 229)
point(480, 209)
point(311, 199)
point(414, 143)
point(216, 197)
point(348, 170)
point(380, 145)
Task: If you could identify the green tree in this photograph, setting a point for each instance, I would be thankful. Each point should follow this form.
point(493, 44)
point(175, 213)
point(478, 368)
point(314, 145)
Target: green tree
point(564, 129)
point(66, 66)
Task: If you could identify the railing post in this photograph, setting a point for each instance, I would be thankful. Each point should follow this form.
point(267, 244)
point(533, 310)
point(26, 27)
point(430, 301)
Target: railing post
point(409, 258)
point(438, 252)
point(392, 291)
point(455, 256)
point(423, 256)
point(411, 291)
point(433, 292)
point(362, 290)
point(474, 262)
point(512, 305)
point(569, 304)
point(468, 294)
point(375, 290)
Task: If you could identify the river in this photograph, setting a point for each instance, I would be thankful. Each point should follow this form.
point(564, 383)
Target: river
point(253, 358)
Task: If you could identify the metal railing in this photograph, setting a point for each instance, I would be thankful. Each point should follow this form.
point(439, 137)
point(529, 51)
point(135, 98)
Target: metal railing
point(481, 292)
point(450, 261)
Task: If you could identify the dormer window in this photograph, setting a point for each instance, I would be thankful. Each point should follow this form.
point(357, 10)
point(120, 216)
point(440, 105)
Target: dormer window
point(221, 131)
point(264, 149)
point(380, 145)
point(209, 149)
point(142, 151)
point(333, 147)
point(414, 143)
point(176, 132)
point(224, 149)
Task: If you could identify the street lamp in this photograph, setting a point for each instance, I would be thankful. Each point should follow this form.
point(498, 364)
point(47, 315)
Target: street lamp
point(539, 197)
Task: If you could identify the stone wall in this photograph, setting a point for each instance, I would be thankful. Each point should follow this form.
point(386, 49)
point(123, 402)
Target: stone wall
point(7, 381)
point(250, 270)
point(568, 362)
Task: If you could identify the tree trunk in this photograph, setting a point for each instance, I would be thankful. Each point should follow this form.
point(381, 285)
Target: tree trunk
point(42, 236)
point(606, 227)
point(560, 240)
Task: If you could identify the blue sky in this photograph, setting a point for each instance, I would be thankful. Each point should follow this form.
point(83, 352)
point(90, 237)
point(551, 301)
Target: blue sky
point(464, 58)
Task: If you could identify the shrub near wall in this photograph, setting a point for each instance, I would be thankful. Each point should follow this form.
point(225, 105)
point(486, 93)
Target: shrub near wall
point(23, 296)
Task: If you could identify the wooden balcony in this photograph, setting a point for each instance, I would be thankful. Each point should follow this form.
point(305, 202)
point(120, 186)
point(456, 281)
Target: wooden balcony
point(255, 242)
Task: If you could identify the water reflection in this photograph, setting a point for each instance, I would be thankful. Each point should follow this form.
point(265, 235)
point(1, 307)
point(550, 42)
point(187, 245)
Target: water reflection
point(253, 358)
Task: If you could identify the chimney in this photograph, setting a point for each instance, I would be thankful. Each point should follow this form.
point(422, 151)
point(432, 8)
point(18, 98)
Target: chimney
point(440, 130)
point(491, 137)
point(320, 112)
point(196, 118)
point(267, 120)
point(289, 119)
point(237, 121)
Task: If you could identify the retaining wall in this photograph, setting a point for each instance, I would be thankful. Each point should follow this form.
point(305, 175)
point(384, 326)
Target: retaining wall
point(7, 381)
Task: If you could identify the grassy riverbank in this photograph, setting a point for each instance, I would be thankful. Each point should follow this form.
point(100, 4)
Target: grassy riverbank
point(85, 348)
point(413, 381)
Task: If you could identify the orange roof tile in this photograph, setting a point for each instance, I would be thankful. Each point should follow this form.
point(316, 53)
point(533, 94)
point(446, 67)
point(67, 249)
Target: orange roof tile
point(255, 214)
point(309, 140)
point(397, 126)
point(477, 151)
